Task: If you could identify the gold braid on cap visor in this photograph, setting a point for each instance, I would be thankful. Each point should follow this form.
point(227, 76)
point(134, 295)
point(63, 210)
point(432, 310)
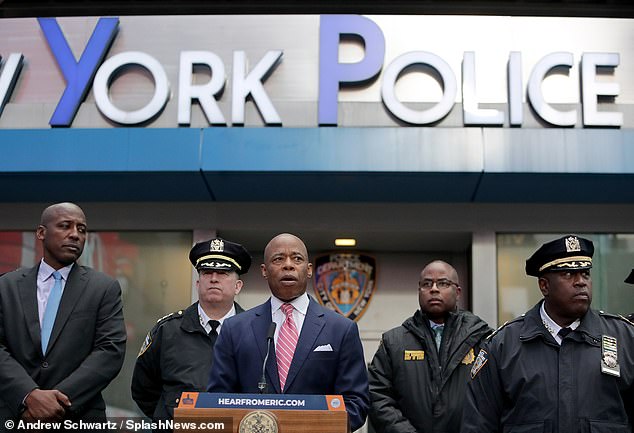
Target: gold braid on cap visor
point(217, 256)
point(566, 260)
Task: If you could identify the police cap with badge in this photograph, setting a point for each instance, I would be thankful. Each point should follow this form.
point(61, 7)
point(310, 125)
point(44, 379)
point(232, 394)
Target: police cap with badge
point(569, 253)
point(572, 253)
point(220, 255)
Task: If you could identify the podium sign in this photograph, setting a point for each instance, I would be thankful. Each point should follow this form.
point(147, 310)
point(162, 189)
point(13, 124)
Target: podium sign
point(261, 413)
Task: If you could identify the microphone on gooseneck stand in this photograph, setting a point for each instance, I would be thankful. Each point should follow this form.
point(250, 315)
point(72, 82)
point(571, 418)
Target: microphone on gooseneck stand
point(269, 338)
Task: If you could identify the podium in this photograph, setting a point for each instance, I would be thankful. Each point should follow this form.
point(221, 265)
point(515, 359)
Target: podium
point(260, 413)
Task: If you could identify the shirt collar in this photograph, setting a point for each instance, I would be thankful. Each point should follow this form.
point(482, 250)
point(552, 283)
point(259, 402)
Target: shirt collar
point(550, 325)
point(204, 318)
point(46, 271)
point(300, 303)
point(434, 325)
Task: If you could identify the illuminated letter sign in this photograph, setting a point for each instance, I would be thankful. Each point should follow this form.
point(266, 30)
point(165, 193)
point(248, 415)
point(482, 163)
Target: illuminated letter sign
point(331, 72)
point(595, 89)
point(204, 93)
point(398, 109)
point(104, 77)
point(252, 85)
point(472, 114)
point(591, 89)
point(9, 76)
point(516, 108)
point(78, 75)
point(541, 107)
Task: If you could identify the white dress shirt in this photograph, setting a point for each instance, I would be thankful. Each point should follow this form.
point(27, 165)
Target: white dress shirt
point(45, 283)
point(204, 319)
point(300, 308)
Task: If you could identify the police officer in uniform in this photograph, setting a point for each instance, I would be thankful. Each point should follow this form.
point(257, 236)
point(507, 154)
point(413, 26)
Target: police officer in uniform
point(561, 367)
point(178, 351)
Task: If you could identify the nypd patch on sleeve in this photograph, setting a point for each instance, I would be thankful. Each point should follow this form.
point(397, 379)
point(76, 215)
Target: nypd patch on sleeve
point(146, 344)
point(480, 361)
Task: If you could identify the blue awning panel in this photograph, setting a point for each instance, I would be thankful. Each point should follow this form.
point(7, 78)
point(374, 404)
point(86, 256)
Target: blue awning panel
point(318, 164)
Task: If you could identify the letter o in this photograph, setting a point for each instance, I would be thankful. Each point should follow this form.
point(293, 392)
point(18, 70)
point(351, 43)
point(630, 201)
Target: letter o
point(398, 109)
point(102, 81)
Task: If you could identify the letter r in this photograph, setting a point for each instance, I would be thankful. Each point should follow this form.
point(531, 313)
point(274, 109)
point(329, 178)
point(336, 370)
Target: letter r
point(78, 75)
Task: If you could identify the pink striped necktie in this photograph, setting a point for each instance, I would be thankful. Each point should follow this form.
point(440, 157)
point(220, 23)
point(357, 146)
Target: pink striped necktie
point(286, 343)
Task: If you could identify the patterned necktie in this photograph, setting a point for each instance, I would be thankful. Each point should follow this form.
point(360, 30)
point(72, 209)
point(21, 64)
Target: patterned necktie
point(438, 335)
point(286, 343)
point(51, 310)
point(213, 334)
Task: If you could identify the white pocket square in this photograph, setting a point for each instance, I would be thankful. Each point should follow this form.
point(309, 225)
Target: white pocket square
point(324, 348)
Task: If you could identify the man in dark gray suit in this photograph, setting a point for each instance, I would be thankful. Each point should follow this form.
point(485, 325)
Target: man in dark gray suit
point(62, 335)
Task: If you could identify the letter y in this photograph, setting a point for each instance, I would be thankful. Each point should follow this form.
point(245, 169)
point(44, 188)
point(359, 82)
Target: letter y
point(78, 75)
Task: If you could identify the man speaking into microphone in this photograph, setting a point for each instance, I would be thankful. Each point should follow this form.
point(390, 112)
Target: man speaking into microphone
point(317, 351)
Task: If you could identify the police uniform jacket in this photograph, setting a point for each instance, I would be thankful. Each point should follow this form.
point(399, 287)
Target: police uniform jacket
point(525, 382)
point(176, 356)
point(412, 388)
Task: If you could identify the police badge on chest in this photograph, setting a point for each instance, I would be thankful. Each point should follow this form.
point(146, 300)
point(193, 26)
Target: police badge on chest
point(609, 356)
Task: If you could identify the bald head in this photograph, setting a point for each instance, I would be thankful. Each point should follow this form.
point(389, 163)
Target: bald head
point(449, 270)
point(286, 267)
point(283, 238)
point(62, 231)
point(438, 290)
point(51, 212)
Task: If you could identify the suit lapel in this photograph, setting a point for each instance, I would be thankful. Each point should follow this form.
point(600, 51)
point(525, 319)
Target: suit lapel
point(313, 324)
point(75, 286)
point(27, 288)
point(260, 327)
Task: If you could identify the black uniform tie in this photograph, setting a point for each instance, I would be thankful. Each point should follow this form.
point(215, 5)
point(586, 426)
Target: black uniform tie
point(563, 332)
point(213, 334)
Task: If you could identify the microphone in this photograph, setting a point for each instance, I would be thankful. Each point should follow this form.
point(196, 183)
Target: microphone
point(269, 338)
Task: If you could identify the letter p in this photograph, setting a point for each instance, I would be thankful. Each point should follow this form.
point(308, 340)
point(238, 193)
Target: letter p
point(331, 72)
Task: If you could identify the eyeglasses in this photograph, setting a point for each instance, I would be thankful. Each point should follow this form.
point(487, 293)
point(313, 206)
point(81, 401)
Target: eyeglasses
point(441, 284)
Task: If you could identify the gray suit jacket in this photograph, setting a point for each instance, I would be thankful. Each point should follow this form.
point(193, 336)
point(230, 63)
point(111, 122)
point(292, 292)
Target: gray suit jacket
point(86, 348)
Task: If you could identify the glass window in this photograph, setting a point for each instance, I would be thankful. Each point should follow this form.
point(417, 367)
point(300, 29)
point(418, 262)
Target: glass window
point(155, 276)
point(613, 259)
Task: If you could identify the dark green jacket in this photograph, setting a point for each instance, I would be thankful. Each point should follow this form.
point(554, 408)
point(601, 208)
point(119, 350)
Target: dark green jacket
point(412, 388)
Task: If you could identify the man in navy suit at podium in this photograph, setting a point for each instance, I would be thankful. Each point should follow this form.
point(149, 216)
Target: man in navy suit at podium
point(317, 351)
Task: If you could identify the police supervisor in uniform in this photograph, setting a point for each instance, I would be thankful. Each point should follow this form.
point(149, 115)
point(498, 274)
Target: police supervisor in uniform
point(419, 374)
point(561, 367)
point(178, 351)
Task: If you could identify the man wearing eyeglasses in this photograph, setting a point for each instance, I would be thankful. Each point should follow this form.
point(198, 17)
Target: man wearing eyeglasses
point(419, 374)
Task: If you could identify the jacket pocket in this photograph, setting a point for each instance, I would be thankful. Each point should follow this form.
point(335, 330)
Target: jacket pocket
point(165, 407)
point(321, 356)
point(608, 427)
point(531, 427)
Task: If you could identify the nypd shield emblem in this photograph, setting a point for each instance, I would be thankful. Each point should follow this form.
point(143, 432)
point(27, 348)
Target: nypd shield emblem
point(345, 282)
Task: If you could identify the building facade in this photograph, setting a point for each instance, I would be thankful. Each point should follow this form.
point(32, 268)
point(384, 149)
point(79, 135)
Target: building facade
point(467, 138)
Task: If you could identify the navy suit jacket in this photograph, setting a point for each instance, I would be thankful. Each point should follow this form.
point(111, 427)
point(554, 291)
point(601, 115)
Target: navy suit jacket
point(241, 347)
